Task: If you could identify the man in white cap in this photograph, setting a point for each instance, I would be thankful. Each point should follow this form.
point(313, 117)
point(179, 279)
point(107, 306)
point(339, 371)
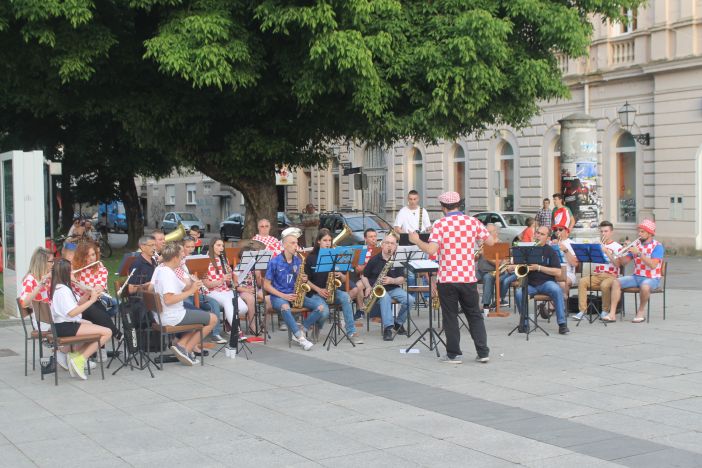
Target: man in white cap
point(647, 254)
point(453, 238)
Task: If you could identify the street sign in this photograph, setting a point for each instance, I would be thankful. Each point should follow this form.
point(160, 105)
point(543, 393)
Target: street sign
point(351, 170)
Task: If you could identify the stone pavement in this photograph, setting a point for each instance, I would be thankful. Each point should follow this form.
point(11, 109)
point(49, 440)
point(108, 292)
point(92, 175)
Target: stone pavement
point(623, 394)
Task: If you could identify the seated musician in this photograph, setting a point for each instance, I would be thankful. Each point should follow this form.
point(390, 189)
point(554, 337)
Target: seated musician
point(647, 254)
point(486, 272)
point(35, 284)
point(318, 283)
point(94, 276)
point(370, 236)
point(392, 282)
point(603, 276)
point(159, 242)
point(172, 292)
point(541, 280)
point(280, 281)
point(564, 244)
point(207, 303)
point(67, 313)
point(199, 248)
point(271, 243)
point(143, 267)
point(219, 281)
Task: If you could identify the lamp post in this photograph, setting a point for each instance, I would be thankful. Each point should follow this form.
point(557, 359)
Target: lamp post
point(627, 114)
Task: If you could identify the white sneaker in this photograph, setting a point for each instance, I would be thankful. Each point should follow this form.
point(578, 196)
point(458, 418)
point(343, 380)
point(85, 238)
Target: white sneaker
point(604, 314)
point(356, 338)
point(91, 363)
point(218, 339)
point(485, 313)
point(578, 316)
point(282, 326)
point(302, 341)
point(62, 359)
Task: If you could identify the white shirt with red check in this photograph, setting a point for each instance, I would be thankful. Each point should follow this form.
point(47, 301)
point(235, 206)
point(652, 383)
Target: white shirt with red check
point(217, 274)
point(182, 271)
point(93, 278)
point(457, 234)
point(271, 243)
point(28, 285)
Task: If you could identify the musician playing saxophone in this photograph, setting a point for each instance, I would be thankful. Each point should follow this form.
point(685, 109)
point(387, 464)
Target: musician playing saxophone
point(392, 282)
point(647, 254)
point(279, 282)
point(542, 280)
point(319, 283)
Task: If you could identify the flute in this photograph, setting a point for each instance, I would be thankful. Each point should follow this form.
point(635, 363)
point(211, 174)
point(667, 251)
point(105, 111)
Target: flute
point(86, 266)
point(126, 282)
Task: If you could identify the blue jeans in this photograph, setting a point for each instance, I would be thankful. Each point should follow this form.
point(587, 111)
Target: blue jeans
point(318, 315)
point(385, 303)
point(343, 299)
point(489, 285)
point(552, 290)
point(210, 305)
point(635, 281)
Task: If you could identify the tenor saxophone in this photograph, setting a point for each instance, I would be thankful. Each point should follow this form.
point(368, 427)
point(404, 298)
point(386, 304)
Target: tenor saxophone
point(378, 289)
point(301, 289)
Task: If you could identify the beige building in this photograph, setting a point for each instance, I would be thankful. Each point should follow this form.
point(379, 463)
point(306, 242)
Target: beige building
point(654, 62)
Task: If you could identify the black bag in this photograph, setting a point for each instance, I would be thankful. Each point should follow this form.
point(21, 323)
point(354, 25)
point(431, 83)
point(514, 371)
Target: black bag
point(591, 299)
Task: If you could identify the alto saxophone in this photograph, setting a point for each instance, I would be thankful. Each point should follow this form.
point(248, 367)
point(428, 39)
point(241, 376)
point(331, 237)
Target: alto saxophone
point(378, 289)
point(301, 289)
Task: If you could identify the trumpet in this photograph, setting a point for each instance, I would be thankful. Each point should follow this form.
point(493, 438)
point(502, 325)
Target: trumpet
point(625, 250)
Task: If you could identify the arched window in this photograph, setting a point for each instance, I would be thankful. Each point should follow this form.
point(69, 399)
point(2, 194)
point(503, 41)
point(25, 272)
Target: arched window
point(416, 175)
point(626, 178)
point(506, 155)
point(459, 171)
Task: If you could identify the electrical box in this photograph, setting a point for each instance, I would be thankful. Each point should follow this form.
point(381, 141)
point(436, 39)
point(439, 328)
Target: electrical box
point(676, 207)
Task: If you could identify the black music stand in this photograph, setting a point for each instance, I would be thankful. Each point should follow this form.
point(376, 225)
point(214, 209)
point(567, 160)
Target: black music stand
point(260, 259)
point(404, 255)
point(426, 266)
point(520, 256)
point(124, 269)
point(590, 253)
point(338, 259)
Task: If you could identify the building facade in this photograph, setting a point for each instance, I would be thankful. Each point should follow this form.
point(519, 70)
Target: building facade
point(652, 62)
point(209, 200)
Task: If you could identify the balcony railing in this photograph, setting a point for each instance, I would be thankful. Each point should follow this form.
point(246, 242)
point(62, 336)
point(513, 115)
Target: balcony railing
point(621, 52)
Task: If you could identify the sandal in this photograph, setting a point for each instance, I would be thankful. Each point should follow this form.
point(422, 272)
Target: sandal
point(608, 320)
point(638, 320)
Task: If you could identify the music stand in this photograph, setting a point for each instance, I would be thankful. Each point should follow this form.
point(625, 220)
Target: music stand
point(338, 259)
point(590, 253)
point(429, 267)
point(260, 259)
point(403, 255)
point(527, 255)
point(125, 267)
point(498, 252)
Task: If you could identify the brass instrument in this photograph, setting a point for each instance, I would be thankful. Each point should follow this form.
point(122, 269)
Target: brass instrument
point(625, 250)
point(378, 290)
point(522, 271)
point(435, 303)
point(301, 289)
point(332, 282)
point(499, 270)
point(176, 235)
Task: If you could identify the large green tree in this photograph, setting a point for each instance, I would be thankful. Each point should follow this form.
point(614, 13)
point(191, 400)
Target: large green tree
point(234, 87)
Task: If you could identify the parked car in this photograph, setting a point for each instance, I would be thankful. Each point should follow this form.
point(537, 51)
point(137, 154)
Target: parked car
point(511, 223)
point(233, 226)
point(284, 220)
point(187, 219)
point(335, 221)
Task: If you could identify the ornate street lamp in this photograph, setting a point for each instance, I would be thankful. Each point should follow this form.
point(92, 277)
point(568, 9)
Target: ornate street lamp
point(627, 113)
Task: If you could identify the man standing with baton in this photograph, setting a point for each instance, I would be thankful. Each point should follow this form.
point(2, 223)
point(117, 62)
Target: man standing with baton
point(453, 238)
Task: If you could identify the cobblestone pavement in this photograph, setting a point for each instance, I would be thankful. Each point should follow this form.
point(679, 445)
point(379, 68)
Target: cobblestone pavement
point(622, 394)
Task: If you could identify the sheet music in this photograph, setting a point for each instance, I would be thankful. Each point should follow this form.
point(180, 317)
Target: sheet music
point(260, 258)
point(246, 270)
point(424, 264)
point(406, 253)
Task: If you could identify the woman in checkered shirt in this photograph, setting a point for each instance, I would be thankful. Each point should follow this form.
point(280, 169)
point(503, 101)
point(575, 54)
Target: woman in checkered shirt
point(219, 281)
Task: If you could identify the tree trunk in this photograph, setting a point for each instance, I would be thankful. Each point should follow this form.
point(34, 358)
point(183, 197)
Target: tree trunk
point(261, 201)
point(66, 202)
point(132, 209)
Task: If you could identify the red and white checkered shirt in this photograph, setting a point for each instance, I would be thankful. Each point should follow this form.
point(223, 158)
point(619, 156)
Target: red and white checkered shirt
point(92, 277)
point(212, 275)
point(640, 268)
point(182, 271)
point(608, 267)
point(28, 285)
point(271, 243)
point(457, 234)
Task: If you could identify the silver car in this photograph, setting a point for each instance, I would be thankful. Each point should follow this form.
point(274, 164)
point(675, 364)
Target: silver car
point(172, 219)
point(511, 223)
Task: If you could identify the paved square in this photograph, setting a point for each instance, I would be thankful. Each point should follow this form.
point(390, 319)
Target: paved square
point(621, 395)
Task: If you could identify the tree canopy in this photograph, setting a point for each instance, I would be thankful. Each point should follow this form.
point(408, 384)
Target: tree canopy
point(235, 87)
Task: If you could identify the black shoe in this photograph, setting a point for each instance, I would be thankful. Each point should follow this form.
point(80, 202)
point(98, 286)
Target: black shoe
point(359, 315)
point(388, 334)
point(201, 353)
point(563, 329)
point(399, 329)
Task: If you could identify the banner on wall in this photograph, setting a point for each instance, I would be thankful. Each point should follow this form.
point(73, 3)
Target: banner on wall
point(283, 176)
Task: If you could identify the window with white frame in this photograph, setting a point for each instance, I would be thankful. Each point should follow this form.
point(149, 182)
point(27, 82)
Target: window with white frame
point(506, 155)
point(626, 178)
point(170, 194)
point(628, 24)
point(190, 194)
point(416, 166)
point(459, 171)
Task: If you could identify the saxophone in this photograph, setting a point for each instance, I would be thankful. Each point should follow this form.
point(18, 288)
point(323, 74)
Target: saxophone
point(332, 282)
point(378, 289)
point(301, 289)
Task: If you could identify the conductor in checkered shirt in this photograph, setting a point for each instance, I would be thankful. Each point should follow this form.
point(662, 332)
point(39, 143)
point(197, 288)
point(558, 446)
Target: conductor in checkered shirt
point(454, 238)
